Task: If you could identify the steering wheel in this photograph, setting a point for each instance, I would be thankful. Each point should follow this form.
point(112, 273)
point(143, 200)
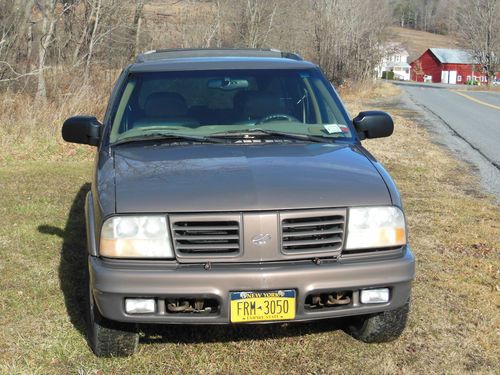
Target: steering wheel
point(276, 116)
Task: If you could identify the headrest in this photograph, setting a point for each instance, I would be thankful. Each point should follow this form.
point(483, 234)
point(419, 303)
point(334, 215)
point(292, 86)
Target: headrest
point(257, 104)
point(165, 105)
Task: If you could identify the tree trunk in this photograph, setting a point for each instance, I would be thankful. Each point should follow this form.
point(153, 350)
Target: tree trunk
point(97, 4)
point(139, 5)
point(48, 25)
point(86, 27)
point(30, 46)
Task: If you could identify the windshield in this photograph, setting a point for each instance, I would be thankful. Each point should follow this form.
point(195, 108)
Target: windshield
point(204, 103)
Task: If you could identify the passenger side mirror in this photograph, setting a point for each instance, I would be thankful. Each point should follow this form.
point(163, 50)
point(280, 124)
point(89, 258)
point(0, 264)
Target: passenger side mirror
point(82, 129)
point(373, 124)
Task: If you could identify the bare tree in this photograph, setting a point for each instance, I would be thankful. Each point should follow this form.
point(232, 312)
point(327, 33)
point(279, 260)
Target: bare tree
point(97, 4)
point(256, 22)
point(347, 46)
point(49, 19)
point(137, 22)
point(56, 38)
point(479, 28)
point(15, 23)
point(88, 17)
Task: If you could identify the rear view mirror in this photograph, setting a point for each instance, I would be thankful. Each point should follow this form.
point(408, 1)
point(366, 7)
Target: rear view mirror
point(228, 84)
point(82, 129)
point(373, 124)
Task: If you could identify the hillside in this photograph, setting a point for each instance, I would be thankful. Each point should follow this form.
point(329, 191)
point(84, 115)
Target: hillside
point(416, 42)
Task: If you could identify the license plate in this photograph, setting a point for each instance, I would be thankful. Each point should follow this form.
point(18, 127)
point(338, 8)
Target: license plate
point(262, 306)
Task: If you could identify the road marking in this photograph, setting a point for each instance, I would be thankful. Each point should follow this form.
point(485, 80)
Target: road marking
point(477, 100)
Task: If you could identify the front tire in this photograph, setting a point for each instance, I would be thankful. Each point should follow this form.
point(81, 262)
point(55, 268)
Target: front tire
point(382, 327)
point(108, 338)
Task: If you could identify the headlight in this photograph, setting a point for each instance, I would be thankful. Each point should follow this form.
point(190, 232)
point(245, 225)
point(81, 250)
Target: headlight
point(371, 227)
point(135, 237)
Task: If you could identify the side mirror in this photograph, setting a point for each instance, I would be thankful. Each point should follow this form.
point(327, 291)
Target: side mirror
point(82, 129)
point(373, 124)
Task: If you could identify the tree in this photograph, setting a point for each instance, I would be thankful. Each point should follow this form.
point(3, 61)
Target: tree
point(347, 37)
point(257, 22)
point(49, 19)
point(479, 28)
point(137, 22)
point(418, 69)
point(426, 15)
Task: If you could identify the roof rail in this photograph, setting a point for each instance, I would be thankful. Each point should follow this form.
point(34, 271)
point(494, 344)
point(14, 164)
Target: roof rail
point(162, 54)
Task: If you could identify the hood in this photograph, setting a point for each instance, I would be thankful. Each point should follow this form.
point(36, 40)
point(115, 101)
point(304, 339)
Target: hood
point(218, 177)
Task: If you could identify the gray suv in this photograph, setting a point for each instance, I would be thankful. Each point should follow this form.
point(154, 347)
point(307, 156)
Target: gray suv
point(230, 186)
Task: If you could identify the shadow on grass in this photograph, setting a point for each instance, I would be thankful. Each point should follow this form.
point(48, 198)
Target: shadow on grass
point(73, 259)
point(195, 334)
point(72, 282)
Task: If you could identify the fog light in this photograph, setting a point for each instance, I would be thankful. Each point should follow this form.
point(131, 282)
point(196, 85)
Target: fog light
point(375, 295)
point(140, 306)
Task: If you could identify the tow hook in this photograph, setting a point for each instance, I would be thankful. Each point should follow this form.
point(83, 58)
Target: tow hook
point(185, 306)
point(330, 299)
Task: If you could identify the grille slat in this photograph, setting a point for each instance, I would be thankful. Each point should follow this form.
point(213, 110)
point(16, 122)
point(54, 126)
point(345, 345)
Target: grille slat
point(208, 238)
point(204, 227)
point(312, 234)
point(313, 242)
point(208, 247)
point(312, 223)
point(211, 237)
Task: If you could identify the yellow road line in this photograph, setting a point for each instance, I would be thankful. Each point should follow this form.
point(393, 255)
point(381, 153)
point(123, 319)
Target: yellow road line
point(477, 100)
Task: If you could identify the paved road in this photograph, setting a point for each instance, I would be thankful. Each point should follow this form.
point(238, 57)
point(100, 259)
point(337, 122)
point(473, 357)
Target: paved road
point(472, 120)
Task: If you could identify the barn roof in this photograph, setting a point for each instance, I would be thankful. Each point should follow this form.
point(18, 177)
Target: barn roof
point(453, 56)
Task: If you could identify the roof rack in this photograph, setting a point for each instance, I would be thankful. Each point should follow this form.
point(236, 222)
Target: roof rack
point(162, 54)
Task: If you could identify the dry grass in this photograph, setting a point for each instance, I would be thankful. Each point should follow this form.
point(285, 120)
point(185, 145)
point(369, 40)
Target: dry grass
point(453, 329)
point(417, 42)
point(481, 88)
point(29, 130)
point(356, 95)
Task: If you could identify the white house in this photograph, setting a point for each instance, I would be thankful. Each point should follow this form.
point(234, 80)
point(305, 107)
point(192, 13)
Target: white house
point(394, 60)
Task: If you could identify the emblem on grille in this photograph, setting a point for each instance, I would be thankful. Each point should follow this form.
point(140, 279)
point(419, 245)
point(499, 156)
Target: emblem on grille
point(261, 239)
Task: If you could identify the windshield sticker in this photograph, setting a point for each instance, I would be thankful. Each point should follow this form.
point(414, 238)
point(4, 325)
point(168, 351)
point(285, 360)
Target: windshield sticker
point(332, 128)
point(344, 128)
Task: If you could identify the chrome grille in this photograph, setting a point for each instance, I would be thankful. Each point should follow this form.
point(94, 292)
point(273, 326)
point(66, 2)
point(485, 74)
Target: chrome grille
point(211, 237)
point(312, 234)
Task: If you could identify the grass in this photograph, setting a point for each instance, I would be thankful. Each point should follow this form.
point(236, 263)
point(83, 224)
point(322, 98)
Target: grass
point(454, 232)
point(483, 88)
point(417, 42)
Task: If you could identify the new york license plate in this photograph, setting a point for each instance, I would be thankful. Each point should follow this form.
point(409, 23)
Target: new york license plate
point(262, 306)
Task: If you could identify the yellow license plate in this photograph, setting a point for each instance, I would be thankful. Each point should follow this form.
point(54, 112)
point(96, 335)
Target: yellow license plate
point(262, 306)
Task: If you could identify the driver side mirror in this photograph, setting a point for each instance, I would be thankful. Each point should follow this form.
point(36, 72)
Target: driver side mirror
point(373, 124)
point(82, 129)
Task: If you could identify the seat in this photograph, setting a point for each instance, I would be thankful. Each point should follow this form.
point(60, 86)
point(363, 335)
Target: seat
point(258, 104)
point(167, 108)
point(165, 105)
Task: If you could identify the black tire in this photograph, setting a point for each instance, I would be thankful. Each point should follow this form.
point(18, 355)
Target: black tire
point(108, 338)
point(382, 327)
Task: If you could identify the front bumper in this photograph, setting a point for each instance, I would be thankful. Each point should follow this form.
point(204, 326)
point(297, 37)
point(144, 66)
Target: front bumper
point(113, 281)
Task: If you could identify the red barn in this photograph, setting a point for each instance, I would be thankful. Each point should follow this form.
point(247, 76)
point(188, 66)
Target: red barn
point(446, 65)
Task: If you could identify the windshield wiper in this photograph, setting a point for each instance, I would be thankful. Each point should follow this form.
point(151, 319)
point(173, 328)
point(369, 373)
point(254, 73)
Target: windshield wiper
point(298, 136)
point(169, 137)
